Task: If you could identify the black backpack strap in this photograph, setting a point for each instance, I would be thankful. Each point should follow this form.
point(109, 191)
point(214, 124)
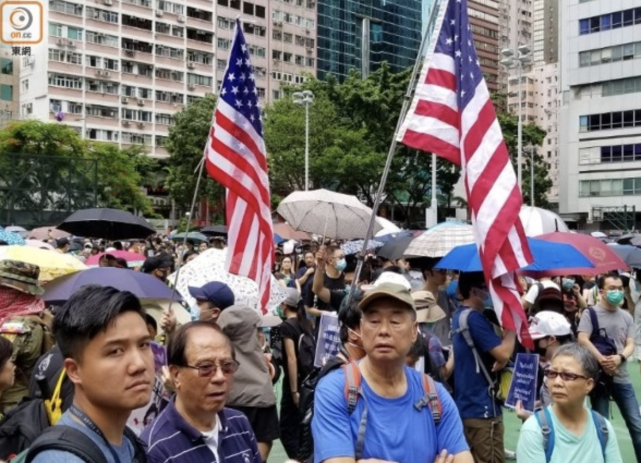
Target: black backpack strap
point(67, 439)
point(594, 320)
point(140, 456)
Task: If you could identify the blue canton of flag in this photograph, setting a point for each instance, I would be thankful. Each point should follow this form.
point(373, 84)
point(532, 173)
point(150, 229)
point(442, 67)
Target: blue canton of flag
point(239, 86)
point(456, 40)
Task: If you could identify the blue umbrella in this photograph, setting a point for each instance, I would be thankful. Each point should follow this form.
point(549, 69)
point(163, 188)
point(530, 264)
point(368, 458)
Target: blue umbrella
point(547, 256)
point(394, 236)
point(278, 239)
point(11, 238)
point(142, 285)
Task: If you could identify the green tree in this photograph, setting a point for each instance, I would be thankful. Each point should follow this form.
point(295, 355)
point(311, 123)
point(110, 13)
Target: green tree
point(186, 145)
point(56, 170)
point(532, 136)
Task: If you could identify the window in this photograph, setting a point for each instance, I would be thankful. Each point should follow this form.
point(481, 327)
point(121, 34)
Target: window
point(277, 35)
point(609, 21)
point(235, 4)
point(25, 85)
point(260, 11)
point(165, 119)
point(6, 65)
point(66, 7)
point(288, 38)
point(223, 44)
point(6, 92)
point(163, 28)
point(60, 80)
point(248, 8)
point(277, 54)
point(613, 120)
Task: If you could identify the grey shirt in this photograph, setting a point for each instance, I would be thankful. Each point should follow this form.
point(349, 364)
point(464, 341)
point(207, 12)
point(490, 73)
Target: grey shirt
point(125, 452)
point(619, 326)
point(442, 327)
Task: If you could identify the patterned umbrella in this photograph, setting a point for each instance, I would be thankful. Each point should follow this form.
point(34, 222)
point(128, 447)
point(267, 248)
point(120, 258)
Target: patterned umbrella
point(441, 239)
point(52, 264)
point(354, 247)
point(11, 238)
point(210, 266)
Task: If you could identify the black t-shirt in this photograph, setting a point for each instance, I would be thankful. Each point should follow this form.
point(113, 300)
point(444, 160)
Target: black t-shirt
point(588, 285)
point(336, 287)
point(289, 329)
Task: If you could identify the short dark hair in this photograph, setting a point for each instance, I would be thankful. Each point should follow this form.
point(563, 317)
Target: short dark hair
point(121, 262)
point(601, 280)
point(150, 320)
point(178, 341)
point(423, 263)
point(331, 250)
point(392, 269)
point(6, 351)
point(89, 311)
point(349, 316)
point(469, 280)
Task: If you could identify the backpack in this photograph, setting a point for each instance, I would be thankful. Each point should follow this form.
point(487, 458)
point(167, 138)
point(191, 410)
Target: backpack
point(306, 354)
point(76, 442)
point(22, 425)
point(606, 346)
point(306, 405)
point(547, 428)
point(498, 387)
point(353, 392)
point(547, 299)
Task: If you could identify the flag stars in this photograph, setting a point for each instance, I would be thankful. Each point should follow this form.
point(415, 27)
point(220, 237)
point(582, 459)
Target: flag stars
point(231, 77)
point(457, 53)
point(239, 104)
point(449, 41)
point(234, 90)
point(239, 62)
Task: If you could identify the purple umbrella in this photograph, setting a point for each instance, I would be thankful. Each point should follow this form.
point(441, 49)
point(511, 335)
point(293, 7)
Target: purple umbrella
point(142, 285)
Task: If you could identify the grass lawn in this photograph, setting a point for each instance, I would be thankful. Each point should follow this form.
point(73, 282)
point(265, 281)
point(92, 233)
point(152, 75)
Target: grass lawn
point(513, 425)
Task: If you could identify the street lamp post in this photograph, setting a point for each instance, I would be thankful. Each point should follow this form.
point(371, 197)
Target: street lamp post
point(305, 98)
point(516, 60)
point(531, 149)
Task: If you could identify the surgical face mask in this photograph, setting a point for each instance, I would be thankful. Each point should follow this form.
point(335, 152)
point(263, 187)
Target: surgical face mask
point(614, 297)
point(194, 310)
point(341, 265)
point(568, 284)
point(486, 297)
point(357, 334)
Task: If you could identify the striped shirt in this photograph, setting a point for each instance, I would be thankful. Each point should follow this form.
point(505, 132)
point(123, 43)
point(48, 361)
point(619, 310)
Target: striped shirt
point(171, 439)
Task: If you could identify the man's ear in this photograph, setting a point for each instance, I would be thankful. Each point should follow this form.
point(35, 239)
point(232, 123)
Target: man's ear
point(73, 370)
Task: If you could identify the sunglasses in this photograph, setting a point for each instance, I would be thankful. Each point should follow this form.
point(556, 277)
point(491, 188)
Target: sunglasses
point(209, 369)
point(553, 374)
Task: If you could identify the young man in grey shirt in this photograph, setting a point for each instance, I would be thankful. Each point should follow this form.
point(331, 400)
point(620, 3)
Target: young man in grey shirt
point(618, 325)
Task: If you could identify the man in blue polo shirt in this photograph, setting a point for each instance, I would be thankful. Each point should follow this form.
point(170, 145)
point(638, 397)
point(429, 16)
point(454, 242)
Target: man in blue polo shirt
point(397, 427)
point(196, 427)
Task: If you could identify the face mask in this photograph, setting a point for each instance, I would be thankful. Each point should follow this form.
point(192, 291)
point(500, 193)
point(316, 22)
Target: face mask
point(488, 303)
point(195, 312)
point(341, 265)
point(614, 297)
point(354, 332)
point(568, 284)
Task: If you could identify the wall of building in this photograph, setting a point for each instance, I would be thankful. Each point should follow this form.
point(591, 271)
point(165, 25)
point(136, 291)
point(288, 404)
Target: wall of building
point(9, 85)
point(599, 75)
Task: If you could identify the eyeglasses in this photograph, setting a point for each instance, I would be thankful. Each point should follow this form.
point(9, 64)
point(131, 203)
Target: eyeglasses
point(208, 370)
point(552, 374)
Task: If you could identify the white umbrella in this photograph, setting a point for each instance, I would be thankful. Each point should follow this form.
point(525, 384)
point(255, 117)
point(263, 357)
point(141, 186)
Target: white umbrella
point(388, 227)
point(16, 229)
point(327, 213)
point(210, 266)
point(441, 239)
point(537, 221)
point(38, 244)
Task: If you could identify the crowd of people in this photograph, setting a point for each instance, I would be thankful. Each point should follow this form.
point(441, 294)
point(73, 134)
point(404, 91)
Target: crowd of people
point(416, 377)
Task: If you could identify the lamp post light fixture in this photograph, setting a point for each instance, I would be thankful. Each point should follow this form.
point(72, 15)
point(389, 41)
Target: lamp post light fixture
point(517, 59)
point(305, 98)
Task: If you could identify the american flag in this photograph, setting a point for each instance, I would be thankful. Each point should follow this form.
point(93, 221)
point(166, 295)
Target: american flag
point(236, 158)
point(452, 116)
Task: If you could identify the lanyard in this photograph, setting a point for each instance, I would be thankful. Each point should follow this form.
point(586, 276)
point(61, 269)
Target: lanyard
point(88, 422)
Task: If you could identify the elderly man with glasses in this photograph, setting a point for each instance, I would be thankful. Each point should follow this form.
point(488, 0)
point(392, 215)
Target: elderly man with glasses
point(196, 427)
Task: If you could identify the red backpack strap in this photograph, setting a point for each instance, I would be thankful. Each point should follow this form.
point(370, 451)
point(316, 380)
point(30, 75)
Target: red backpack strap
point(352, 385)
point(431, 399)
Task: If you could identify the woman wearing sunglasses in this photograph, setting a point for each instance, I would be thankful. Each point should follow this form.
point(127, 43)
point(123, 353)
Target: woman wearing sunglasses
point(567, 431)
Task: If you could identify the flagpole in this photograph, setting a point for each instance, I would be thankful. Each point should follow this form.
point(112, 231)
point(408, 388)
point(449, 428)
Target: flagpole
point(392, 150)
point(199, 169)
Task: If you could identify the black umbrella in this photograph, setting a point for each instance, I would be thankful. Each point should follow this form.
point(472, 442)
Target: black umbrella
point(395, 249)
point(109, 224)
point(631, 238)
point(630, 254)
point(214, 230)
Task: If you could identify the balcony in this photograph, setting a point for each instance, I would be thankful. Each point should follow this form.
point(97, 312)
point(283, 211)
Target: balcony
point(132, 48)
point(200, 15)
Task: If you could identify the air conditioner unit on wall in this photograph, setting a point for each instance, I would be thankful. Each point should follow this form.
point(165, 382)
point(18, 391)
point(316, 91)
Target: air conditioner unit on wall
point(108, 2)
point(141, 102)
point(181, 19)
point(191, 65)
point(125, 100)
point(159, 13)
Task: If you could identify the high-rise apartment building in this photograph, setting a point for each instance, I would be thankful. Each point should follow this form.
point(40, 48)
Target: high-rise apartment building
point(361, 34)
point(545, 24)
point(484, 22)
point(8, 85)
point(600, 115)
point(119, 70)
point(515, 29)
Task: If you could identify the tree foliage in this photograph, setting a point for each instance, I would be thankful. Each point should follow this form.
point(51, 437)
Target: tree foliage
point(54, 168)
point(186, 145)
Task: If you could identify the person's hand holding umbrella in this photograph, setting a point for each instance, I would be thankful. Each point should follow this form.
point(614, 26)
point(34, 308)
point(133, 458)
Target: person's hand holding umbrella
point(168, 321)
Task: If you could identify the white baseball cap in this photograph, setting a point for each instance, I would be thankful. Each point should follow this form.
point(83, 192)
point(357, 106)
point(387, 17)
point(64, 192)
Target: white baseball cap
point(548, 323)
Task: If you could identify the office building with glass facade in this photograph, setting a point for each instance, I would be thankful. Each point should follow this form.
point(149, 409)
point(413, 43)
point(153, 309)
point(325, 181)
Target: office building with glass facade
point(360, 34)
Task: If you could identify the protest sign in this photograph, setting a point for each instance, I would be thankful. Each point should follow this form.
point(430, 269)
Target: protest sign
point(160, 356)
point(328, 341)
point(524, 381)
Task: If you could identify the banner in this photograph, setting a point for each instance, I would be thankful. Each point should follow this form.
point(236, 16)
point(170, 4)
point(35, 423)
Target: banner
point(328, 341)
point(524, 382)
